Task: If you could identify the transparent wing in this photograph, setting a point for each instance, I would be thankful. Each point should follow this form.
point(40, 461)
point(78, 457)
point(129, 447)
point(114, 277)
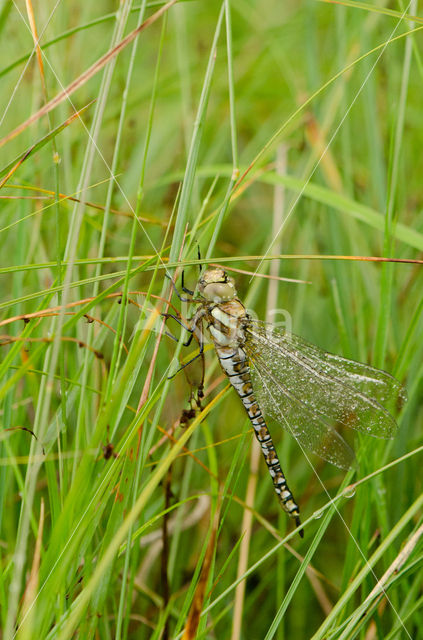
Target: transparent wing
point(372, 382)
point(310, 391)
point(311, 429)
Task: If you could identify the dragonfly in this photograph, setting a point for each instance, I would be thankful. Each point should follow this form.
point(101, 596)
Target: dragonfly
point(281, 376)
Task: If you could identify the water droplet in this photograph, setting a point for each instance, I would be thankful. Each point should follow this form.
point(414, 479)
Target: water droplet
point(349, 492)
point(318, 514)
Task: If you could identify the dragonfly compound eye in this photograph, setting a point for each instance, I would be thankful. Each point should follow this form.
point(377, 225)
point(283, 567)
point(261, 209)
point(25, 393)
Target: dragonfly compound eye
point(216, 286)
point(219, 291)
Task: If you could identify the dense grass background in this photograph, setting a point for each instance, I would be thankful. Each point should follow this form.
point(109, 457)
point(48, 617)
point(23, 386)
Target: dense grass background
point(323, 103)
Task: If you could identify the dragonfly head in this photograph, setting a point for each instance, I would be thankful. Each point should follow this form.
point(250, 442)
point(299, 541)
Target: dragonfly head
point(216, 286)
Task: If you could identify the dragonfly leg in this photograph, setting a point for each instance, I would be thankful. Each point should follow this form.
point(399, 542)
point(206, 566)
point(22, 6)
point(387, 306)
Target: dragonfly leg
point(183, 287)
point(194, 398)
point(200, 388)
point(175, 288)
point(170, 335)
point(200, 354)
point(178, 320)
point(193, 329)
point(183, 325)
point(199, 257)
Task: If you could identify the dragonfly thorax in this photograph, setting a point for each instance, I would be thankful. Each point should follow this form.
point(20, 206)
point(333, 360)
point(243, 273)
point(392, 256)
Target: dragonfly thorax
point(225, 323)
point(216, 286)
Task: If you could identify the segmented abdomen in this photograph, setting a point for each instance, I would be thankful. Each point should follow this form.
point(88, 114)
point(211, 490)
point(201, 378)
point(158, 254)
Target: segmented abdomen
point(235, 363)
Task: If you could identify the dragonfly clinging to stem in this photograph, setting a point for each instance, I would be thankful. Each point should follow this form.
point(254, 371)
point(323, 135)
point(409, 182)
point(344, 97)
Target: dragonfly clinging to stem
point(278, 374)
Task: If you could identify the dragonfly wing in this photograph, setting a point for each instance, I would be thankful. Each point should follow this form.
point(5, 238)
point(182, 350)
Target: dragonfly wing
point(311, 429)
point(339, 390)
point(373, 382)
